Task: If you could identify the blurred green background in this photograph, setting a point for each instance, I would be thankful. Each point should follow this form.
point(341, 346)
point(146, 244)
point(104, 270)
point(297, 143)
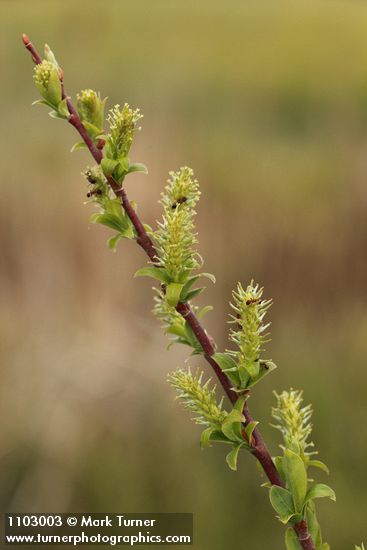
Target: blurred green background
point(267, 102)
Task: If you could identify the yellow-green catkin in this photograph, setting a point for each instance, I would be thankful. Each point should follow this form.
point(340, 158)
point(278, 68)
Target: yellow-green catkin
point(176, 236)
point(91, 108)
point(199, 398)
point(293, 420)
point(251, 334)
point(47, 81)
point(165, 313)
point(123, 123)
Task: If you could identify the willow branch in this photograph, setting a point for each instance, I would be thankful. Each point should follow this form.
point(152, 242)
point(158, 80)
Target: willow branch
point(259, 448)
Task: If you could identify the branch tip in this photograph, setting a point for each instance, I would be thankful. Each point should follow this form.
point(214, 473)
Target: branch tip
point(25, 39)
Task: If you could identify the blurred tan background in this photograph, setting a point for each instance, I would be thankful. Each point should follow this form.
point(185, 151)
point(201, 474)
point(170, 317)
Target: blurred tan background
point(268, 103)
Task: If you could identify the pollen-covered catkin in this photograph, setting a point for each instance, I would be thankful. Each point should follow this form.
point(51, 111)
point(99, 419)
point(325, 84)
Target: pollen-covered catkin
point(199, 398)
point(47, 81)
point(123, 124)
point(176, 237)
point(91, 109)
point(250, 334)
point(293, 420)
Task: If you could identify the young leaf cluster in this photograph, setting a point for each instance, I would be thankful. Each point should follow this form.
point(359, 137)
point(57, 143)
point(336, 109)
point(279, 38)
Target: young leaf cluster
point(122, 121)
point(116, 144)
point(295, 501)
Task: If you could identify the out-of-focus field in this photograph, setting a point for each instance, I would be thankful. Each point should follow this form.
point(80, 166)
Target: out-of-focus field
point(268, 103)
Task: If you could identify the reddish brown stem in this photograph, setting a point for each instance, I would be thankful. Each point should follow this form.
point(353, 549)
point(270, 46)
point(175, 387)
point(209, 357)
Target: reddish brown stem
point(142, 236)
point(75, 121)
point(208, 346)
point(259, 449)
point(304, 536)
point(32, 50)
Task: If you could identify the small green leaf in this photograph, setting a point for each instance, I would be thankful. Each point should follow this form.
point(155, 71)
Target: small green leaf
point(187, 294)
point(113, 206)
point(231, 426)
point(92, 130)
point(192, 294)
point(252, 367)
point(232, 457)
point(240, 403)
point(244, 377)
point(296, 476)
point(124, 164)
point(312, 523)
point(250, 429)
point(220, 437)
point(63, 110)
point(209, 276)
point(109, 220)
point(193, 342)
point(42, 102)
point(187, 287)
point(320, 490)
point(205, 437)
point(225, 361)
point(108, 166)
point(204, 311)
point(282, 502)
point(157, 273)
point(173, 292)
point(326, 546)
point(266, 484)
point(55, 114)
point(278, 461)
point(320, 465)
point(291, 540)
point(177, 330)
point(129, 232)
point(137, 167)
point(54, 88)
point(78, 146)
point(50, 56)
point(265, 368)
point(113, 241)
